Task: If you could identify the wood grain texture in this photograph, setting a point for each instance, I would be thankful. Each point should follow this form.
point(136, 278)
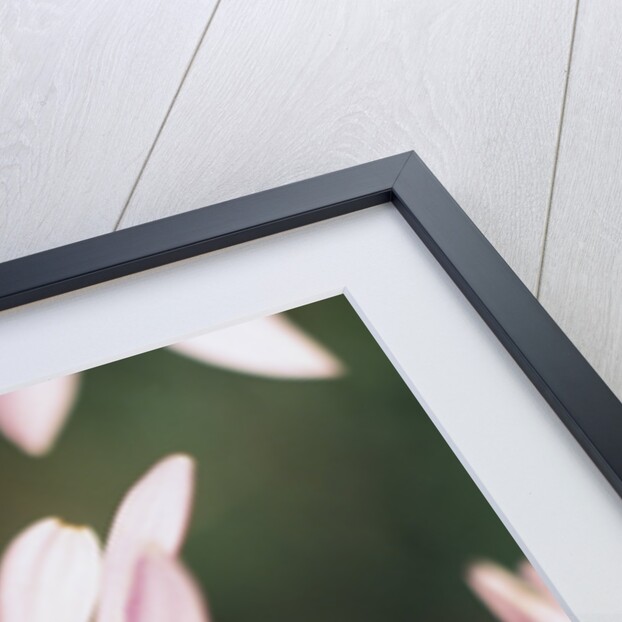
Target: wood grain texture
point(282, 91)
point(84, 87)
point(582, 271)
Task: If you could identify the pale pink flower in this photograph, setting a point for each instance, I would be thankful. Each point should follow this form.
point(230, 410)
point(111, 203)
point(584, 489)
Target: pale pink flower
point(164, 591)
point(50, 573)
point(33, 417)
point(272, 347)
point(56, 573)
point(150, 525)
point(514, 597)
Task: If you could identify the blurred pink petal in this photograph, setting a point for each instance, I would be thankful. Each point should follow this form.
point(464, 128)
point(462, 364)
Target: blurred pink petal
point(33, 417)
point(164, 591)
point(510, 598)
point(154, 513)
point(530, 575)
point(50, 573)
point(271, 346)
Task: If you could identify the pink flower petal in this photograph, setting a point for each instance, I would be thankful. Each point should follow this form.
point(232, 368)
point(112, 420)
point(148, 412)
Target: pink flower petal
point(510, 598)
point(530, 575)
point(33, 417)
point(154, 513)
point(271, 346)
point(164, 591)
point(50, 573)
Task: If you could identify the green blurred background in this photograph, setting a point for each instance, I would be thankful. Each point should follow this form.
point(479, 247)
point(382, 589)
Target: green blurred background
point(317, 500)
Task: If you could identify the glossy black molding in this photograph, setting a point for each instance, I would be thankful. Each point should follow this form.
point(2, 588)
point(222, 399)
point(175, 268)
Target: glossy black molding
point(581, 399)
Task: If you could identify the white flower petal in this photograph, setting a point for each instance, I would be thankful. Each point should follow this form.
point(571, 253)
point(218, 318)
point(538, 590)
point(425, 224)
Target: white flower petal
point(33, 417)
point(271, 346)
point(164, 591)
point(510, 598)
point(50, 573)
point(154, 513)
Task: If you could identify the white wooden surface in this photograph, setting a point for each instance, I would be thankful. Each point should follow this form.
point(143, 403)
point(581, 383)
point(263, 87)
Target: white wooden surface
point(282, 91)
point(84, 87)
point(582, 276)
point(546, 490)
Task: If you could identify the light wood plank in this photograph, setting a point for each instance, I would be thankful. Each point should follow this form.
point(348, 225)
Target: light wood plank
point(84, 87)
point(281, 91)
point(582, 275)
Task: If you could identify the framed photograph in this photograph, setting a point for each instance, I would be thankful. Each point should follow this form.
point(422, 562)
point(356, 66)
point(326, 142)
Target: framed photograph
point(374, 418)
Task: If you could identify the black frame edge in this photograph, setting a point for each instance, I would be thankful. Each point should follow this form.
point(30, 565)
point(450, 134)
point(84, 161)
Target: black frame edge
point(113, 255)
point(571, 387)
point(565, 379)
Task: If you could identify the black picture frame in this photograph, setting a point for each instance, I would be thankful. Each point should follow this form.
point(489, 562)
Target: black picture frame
point(572, 388)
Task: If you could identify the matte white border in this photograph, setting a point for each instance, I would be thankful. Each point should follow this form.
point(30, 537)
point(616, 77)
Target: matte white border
point(552, 498)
